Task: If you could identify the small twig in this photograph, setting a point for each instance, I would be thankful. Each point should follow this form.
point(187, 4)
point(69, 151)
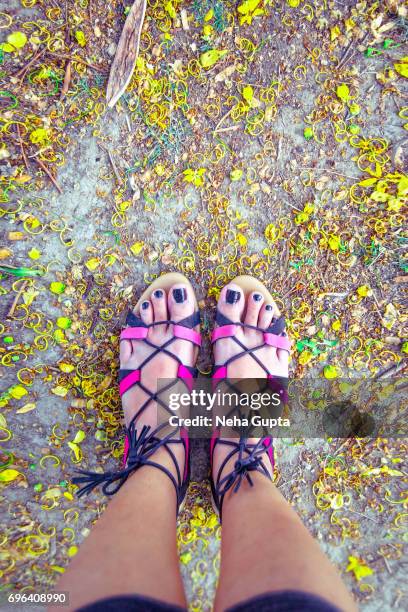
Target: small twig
point(387, 565)
point(354, 178)
point(222, 119)
point(342, 445)
point(293, 206)
point(48, 173)
point(22, 72)
point(22, 147)
point(67, 79)
point(376, 258)
point(279, 148)
point(112, 161)
point(391, 370)
point(74, 58)
point(364, 515)
point(345, 59)
point(398, 599)
point(231, 128)
point(16, 299)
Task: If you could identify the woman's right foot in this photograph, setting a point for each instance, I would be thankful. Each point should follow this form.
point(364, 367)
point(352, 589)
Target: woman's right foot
point(176, 304)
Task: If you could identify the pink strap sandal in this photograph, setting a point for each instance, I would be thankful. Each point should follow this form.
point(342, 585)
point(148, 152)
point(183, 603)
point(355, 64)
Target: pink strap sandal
point(140, 445)
point(249, 457)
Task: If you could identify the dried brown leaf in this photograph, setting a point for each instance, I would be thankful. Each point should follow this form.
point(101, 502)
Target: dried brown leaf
point(126, 53)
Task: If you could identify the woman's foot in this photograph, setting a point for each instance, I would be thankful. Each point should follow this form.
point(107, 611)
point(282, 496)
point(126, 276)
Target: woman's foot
point(257, 311)
point(175, 304)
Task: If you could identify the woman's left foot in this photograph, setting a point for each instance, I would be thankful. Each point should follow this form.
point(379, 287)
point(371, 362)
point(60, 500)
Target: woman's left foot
point(254, 310)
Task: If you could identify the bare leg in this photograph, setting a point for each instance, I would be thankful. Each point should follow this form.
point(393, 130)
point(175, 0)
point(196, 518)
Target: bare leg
point(133, 549)
point(265, 547)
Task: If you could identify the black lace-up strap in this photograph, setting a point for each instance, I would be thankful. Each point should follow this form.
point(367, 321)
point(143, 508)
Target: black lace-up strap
point(138, 330)
point(248, 459)
point(141, 446)
point(274, 335)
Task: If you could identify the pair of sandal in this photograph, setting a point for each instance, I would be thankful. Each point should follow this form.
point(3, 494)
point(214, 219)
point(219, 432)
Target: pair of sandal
point(141, 443)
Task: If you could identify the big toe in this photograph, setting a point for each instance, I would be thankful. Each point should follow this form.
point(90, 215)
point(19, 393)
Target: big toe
point(231, 302)
point(181, 302)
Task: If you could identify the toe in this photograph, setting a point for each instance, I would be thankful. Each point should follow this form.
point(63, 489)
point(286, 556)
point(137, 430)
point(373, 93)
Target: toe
point(159, 302)
point(266, 315)
point(146, 312)
point(181, 302)
point(253, 307)
point(231, 302)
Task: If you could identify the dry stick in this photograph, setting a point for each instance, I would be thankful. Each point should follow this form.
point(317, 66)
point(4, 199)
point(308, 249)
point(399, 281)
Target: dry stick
point(48, 173)
point(354, 178)
point(30, 63)
point(15, 301)
point(345, 54)
point(67, 79)
point(344, 60)
point(74, 58)
point(222, 119)
point(387, 565)
point(21, 73)
point(364, 515)
point(227, 129)
point(22, 147)
point(112, 161)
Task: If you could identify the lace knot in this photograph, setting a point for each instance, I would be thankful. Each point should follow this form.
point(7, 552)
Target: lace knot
point(246, 463)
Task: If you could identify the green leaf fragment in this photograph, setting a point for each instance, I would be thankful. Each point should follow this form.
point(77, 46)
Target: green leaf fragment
point(57, 287)
point(211, 57)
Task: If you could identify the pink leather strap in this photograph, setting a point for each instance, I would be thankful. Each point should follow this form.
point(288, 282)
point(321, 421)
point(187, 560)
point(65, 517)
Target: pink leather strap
point(184, 372)
point(220, 372)
point(134, 333)
point(281, 342)
point(268, 442)
point(125, 451)
point(129, 381)
point(185, 333)
point(225, 331)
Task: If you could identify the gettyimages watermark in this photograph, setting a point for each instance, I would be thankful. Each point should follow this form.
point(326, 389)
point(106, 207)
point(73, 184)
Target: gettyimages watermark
point(228, 408)
point(315, 408)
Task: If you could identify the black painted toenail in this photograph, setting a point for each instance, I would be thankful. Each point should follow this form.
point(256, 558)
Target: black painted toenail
point(232, 296)
point(257, 297)
point(158, 293)
point(269, 307)
point(145, 305)
point(180, 295)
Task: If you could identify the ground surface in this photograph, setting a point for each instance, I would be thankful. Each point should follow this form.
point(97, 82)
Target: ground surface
point(209, 171)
